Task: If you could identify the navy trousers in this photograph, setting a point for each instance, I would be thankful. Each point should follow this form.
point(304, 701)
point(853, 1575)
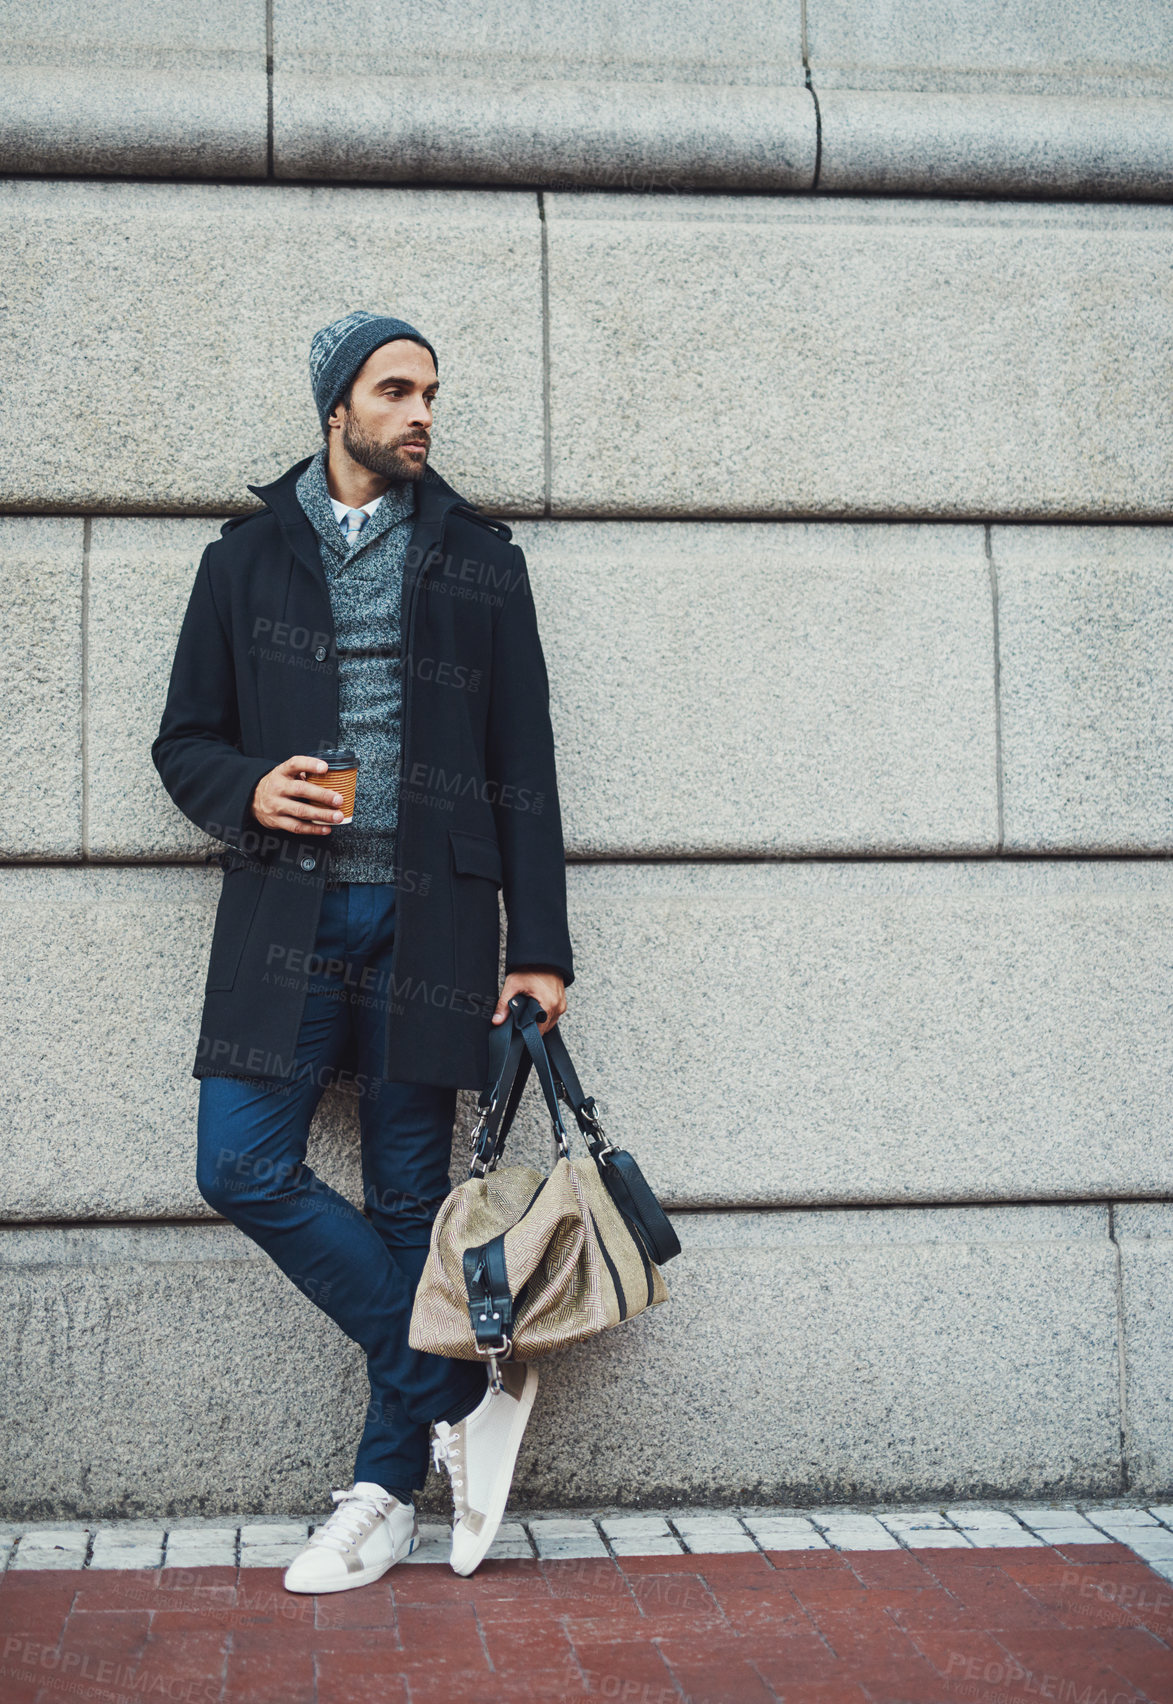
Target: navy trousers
point(360, 1267)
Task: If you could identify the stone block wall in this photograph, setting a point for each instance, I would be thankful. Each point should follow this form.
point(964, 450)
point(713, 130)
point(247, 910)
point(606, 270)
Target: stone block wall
point(819, 356)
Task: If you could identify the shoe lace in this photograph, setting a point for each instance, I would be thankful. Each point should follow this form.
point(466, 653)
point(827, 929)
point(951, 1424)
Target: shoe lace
point(448, 1453)
point(354, 1516)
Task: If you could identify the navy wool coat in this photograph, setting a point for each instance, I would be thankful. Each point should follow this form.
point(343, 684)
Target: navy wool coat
point(255, 681)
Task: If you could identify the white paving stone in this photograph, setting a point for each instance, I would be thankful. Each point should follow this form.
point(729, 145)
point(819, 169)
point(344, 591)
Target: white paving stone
point(510, 1545)
point(201, 1535)
point(984, 1520)
point(915, 1520)
point(139, 1533)
point(125, 1547)
point(509, 1532)
point(714, 1532)
point(1163, 1512)
point(782, 1532)
point(784, 1523)
point(1061, 1526)
point(1063, 1536)
point(201, 1547)
point(668, 1546)
point(268, 1555)
point(563, 1538)
point(64, 1548)
point(273, 1542)
point(192, 1561)
point(856, 1532)
point(565, 1549)
point(1122, 1522)
point(274, 1532)
point(1003, 1538)
point(778, 1540)
point(635, 1526)
point(718, 1543)
point(435, 1544)
point(1152, 1542)
point(1042, 1520)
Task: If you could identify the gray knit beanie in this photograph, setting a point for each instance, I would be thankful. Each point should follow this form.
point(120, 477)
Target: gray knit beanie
point(339, 350)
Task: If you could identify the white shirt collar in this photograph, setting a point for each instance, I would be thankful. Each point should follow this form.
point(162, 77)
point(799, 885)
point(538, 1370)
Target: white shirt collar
point(343, 509)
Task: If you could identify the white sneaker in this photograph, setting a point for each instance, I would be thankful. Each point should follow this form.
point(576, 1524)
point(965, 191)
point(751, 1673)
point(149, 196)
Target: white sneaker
point(368, 1533)
point(480, 1452)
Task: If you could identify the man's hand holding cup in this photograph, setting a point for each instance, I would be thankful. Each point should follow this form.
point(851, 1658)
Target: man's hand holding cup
point(301, 795)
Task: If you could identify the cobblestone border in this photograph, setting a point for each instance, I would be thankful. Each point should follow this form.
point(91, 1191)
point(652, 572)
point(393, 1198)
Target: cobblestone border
point(273, 1541)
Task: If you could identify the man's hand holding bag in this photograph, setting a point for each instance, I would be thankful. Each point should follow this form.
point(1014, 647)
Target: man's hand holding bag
point(522, 1264)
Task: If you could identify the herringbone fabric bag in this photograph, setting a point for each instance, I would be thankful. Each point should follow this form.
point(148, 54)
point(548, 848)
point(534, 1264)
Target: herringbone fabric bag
point(522, 1264)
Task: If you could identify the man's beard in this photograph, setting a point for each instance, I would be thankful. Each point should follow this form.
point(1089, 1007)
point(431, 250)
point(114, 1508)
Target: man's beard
point(387, 460)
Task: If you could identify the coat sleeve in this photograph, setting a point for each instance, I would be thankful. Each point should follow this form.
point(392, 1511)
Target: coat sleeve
point(197, 750)
point(524, 787)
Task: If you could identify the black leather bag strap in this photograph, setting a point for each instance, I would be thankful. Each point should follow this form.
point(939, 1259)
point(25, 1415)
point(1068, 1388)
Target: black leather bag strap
point(626, 1184)
point(490, 1300)
point(567, 1076)
point(509, 1066)
point(536, 1048)
point(570, 1090)
point(515, 1048)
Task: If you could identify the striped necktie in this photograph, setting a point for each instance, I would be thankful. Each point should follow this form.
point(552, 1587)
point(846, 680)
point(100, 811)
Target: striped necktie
point(352, 523)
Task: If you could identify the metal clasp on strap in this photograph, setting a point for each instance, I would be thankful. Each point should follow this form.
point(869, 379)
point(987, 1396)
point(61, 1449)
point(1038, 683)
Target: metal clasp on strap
point(502, 1350)
point(605, 1145)
point(478, 1165)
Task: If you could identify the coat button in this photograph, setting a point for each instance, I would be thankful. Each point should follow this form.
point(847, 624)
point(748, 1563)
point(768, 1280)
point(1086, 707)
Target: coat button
point(308, 861)
point(320, 654)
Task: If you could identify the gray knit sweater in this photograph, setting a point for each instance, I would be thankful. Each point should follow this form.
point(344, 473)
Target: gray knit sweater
point(365, 585)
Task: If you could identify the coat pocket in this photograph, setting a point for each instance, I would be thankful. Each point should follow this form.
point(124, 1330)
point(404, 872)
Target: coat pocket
point(476, 920)
point(240, 892)
point(476, 855)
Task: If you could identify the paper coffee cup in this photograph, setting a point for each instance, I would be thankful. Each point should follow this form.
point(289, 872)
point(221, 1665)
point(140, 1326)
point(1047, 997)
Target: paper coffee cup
point(342, 778)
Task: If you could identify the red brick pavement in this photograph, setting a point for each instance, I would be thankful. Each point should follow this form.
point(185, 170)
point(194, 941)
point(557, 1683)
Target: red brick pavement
point(1092, 1625)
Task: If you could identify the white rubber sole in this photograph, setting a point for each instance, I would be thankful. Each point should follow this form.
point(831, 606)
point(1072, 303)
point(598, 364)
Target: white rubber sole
point(364, 1577)
point(473, 1557)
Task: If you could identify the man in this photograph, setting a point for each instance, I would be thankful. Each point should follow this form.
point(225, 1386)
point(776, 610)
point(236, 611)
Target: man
point(368, 606)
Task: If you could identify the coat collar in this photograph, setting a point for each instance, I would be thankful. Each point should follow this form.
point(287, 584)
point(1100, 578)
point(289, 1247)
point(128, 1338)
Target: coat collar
point(434, 498)
point(313, 494)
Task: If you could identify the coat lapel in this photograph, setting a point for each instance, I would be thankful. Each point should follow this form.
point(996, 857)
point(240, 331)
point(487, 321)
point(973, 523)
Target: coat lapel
point(281, 498)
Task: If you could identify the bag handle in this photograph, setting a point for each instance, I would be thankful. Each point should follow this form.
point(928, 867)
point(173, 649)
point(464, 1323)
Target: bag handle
point(581, 1105)
point(514, 1048)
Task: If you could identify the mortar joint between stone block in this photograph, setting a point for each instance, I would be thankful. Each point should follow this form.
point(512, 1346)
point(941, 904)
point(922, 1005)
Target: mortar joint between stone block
point(1121, 1348)
point(269, 88)
point(87, 528)
point(992, 569)
point(547, 446)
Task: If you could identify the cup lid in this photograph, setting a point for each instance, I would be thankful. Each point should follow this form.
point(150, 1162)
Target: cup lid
point(342, 758)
